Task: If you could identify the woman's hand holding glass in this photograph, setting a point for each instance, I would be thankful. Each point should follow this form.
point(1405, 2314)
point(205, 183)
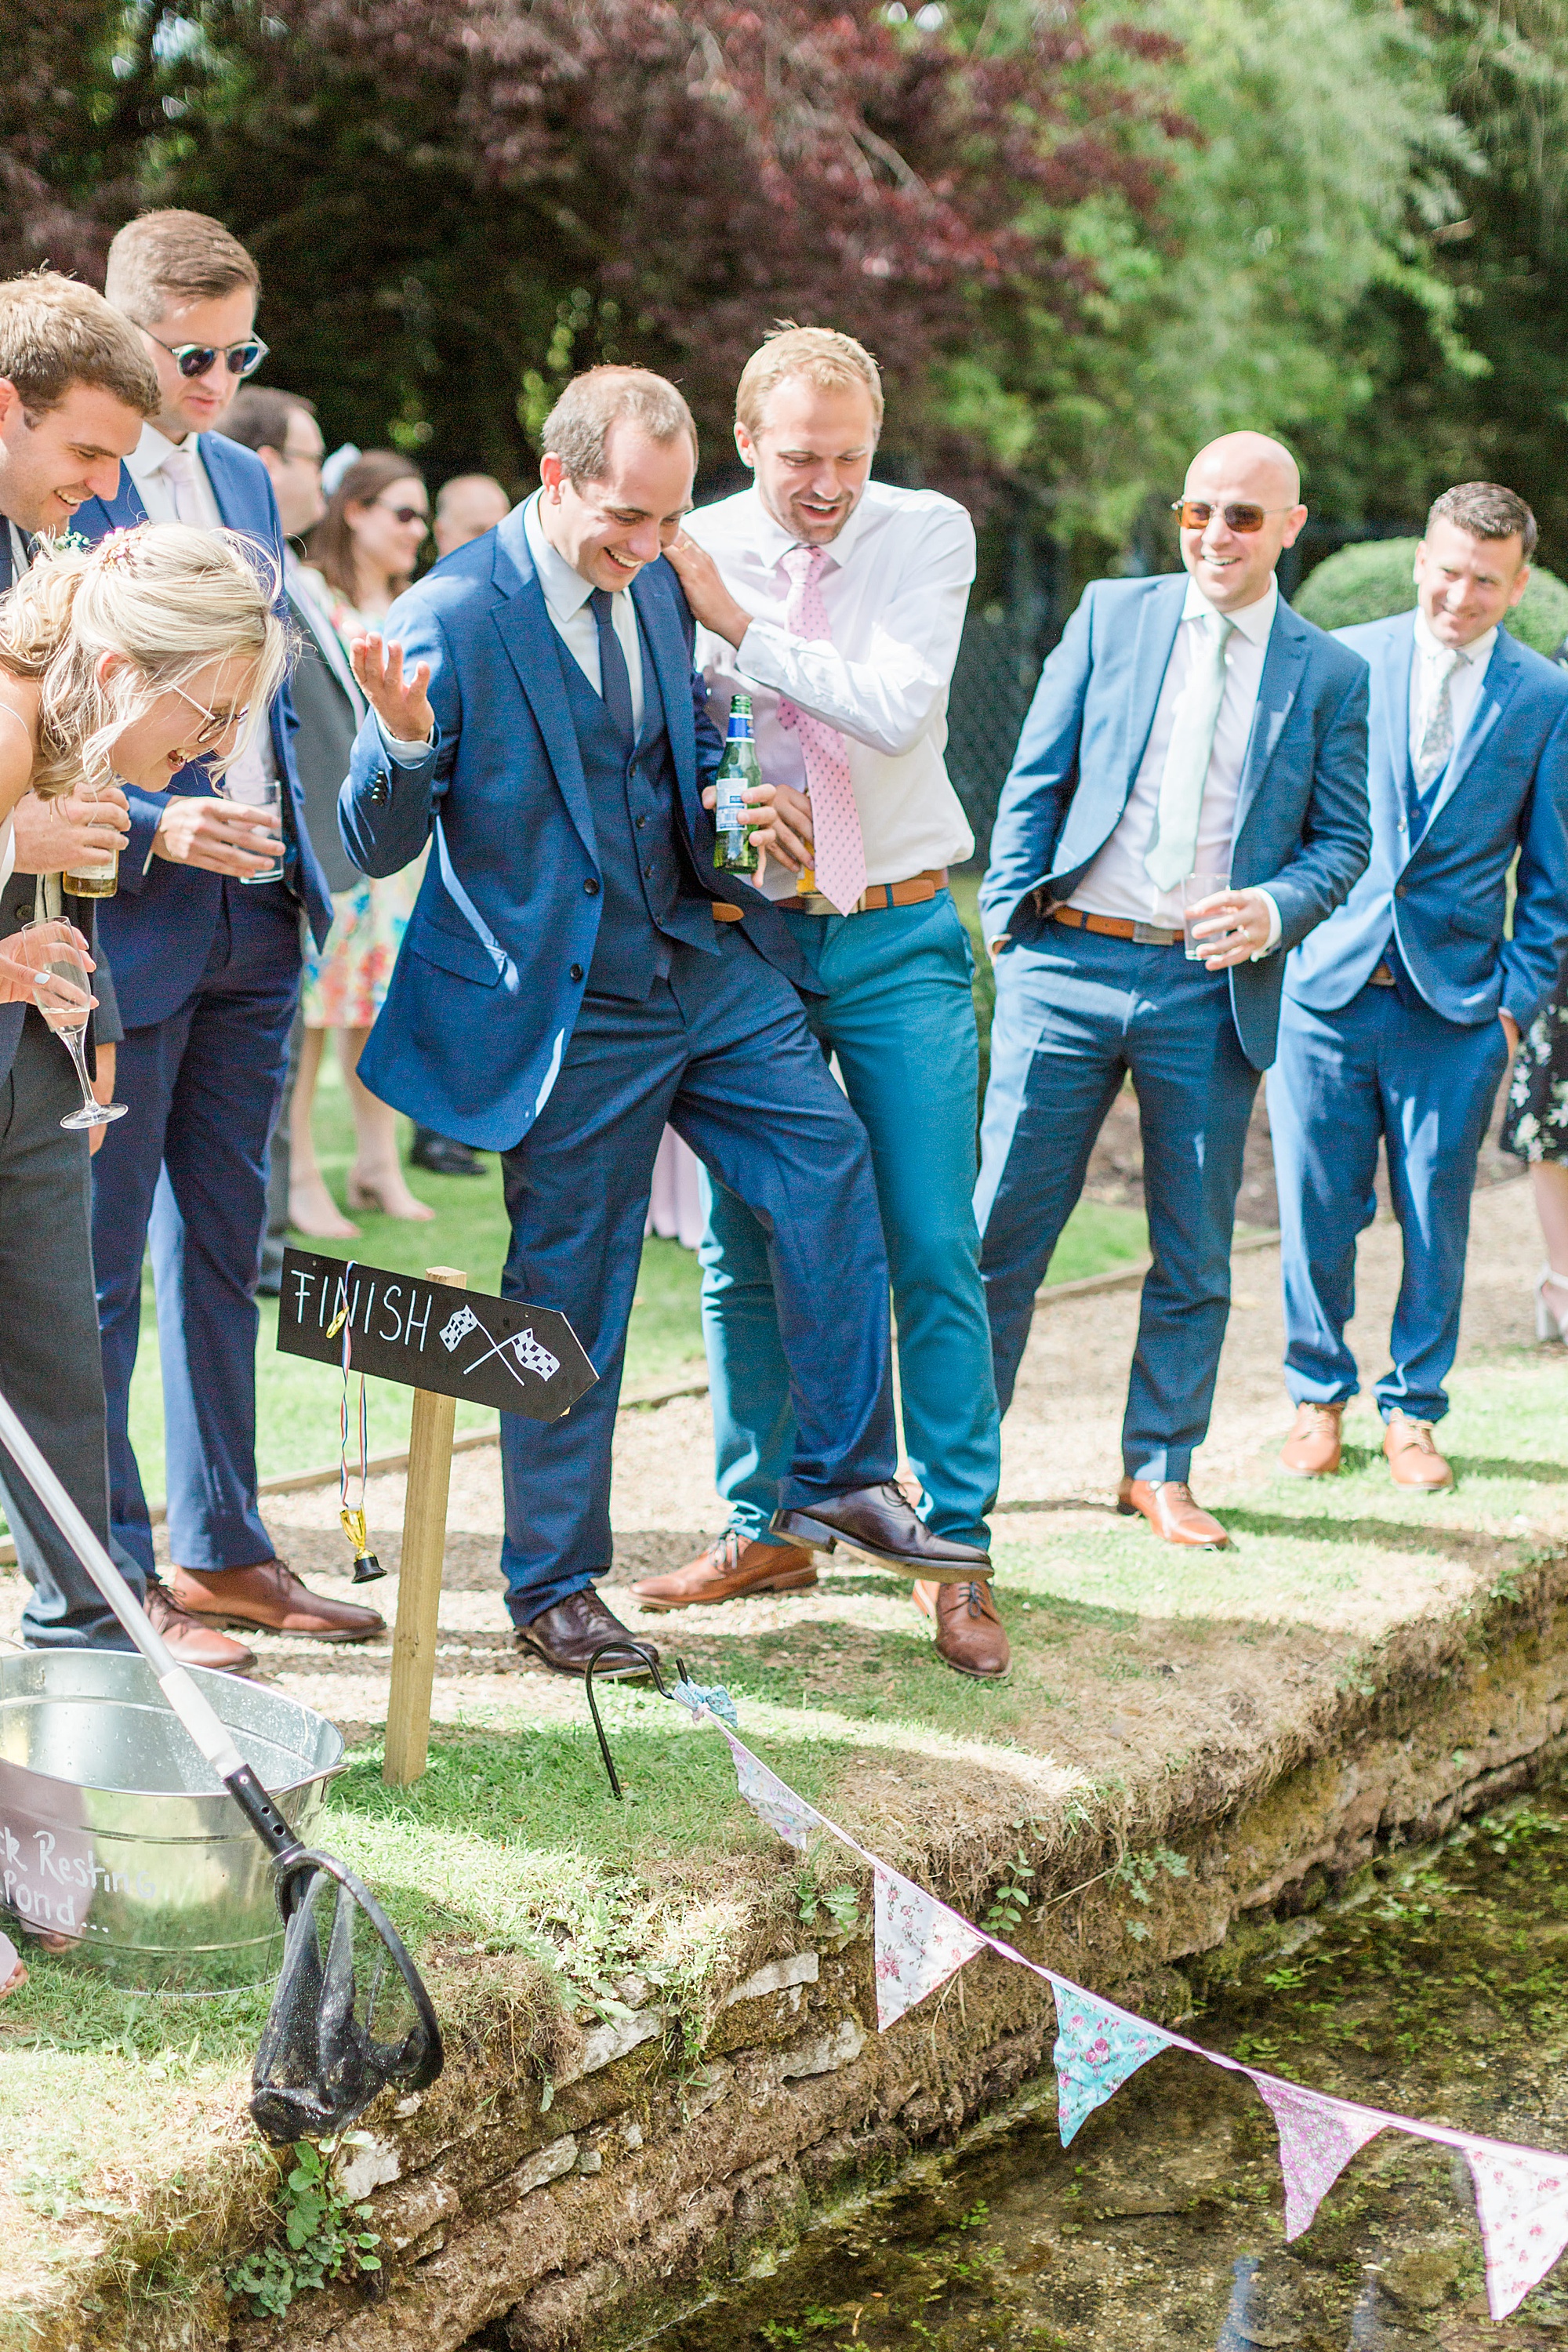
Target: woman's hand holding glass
point(56, 957)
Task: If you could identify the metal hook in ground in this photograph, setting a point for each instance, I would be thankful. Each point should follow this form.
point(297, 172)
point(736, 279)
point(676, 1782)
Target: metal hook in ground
point(650, 1665)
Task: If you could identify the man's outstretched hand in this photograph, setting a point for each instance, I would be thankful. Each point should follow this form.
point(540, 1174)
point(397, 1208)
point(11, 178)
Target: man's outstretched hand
point(400, 703)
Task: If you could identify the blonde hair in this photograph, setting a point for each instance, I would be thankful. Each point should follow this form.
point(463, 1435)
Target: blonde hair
point(832, 362)
point(54, 333)
point(164, 259)
point(169, 600)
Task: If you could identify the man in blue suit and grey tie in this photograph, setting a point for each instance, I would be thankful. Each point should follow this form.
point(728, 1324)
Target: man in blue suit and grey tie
point(1401, 1012)
point(204, 938)
point(1183, 729)
point(576, 974)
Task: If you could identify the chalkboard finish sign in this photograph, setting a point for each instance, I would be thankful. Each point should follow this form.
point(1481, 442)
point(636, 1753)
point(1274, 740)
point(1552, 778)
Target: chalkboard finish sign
point(427, 1335)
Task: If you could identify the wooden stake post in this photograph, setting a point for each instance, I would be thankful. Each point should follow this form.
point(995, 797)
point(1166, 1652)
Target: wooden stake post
point(419, 1570)
point(445, 1343)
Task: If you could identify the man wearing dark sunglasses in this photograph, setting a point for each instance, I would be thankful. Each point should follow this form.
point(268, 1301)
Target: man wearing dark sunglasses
point(1185, 727)
point(209, 977)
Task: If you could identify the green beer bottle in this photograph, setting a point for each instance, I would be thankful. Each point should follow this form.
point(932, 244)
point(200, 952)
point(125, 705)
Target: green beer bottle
point(734, 851)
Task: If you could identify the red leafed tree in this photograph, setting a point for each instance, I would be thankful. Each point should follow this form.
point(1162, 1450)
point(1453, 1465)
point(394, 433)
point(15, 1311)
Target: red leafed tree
point(457, 205)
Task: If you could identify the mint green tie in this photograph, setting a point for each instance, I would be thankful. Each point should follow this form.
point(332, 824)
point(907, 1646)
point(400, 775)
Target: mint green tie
point(1185, 773)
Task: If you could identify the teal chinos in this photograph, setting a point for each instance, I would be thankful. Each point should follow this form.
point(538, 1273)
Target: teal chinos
point(900, 1017)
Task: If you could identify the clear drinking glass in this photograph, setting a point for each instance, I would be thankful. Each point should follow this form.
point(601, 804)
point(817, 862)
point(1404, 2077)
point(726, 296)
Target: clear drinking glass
point(263, 796)
point(62, 992)
point(1197, 886)
point(101, 880)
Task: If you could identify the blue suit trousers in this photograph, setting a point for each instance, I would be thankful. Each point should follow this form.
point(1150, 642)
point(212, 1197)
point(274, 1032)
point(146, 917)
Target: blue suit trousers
point(1076, 1014)
point(187, 1170)
point(898, 1013)
point(722, 1052)
point(1378, 1067)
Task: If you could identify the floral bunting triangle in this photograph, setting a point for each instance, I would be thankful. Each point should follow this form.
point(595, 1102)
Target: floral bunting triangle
point(772, 1799)
point(920, 1944)
point(1521, 2198)
point(1097, 2048)
point(1317, 2137)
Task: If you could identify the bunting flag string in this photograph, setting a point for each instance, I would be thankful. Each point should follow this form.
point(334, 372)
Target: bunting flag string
point(1522, 2193)
point(1317, 2137)
point(918, 1943)
point(1097, 2047)
point(1521, 2200)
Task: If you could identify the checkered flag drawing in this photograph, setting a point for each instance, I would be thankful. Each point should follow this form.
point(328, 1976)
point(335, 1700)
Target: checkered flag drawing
point(456, 1328)
point(534, 1357)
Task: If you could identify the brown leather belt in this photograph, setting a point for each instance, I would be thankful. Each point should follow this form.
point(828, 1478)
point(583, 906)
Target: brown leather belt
point(875, 899)
point(1381, 978)
point(1116, 927)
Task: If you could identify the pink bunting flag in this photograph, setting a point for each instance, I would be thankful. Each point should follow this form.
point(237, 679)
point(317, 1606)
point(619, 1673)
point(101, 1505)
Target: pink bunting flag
point(772, 1799)
point(1097, 2048)
point(1317, 2137)
point(920, 1944)
point(1521, 2198)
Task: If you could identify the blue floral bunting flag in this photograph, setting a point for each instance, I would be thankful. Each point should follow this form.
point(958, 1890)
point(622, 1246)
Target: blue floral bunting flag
point(1097, 2048)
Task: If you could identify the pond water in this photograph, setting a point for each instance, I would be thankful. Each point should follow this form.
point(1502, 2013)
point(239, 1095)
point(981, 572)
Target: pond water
point(1439, 1991)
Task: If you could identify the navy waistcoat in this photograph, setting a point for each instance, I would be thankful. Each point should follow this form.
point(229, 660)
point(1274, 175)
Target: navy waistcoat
point(650, 895)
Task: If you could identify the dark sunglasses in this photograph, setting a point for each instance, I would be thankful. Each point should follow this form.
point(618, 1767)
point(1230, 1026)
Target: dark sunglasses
point(1194, 515)
point(403, 514)
point(196, 358)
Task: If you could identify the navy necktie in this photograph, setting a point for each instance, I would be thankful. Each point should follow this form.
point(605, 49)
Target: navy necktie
point(614, 680)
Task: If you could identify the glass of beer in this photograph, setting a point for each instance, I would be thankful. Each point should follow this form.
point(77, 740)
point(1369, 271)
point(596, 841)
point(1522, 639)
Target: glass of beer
point(94, 877)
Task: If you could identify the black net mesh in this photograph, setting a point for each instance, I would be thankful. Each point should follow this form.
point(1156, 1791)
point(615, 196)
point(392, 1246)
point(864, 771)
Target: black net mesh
point(350, 2015)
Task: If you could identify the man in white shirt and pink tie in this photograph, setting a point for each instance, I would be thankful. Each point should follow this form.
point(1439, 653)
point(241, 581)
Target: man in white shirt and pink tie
point(837, 602)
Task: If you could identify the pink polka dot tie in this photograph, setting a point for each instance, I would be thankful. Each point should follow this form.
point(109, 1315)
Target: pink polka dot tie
point(840, 852)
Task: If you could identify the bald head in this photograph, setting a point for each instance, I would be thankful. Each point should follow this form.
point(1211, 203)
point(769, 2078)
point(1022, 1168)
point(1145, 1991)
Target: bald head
point(465, 508)
point(1243, 479)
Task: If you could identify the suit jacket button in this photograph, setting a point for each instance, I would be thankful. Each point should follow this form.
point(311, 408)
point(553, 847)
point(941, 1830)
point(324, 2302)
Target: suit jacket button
point(378, 791)
point(590, 888)
point(576, 972)
point(1400, 891)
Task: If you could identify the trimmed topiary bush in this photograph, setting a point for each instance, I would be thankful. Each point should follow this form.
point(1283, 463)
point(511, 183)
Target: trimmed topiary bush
point(1369, 580)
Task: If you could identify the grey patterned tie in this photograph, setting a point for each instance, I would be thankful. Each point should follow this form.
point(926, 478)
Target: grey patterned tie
point(1437, 748)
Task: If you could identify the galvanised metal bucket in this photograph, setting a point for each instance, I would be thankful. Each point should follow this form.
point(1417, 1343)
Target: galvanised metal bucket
point(116, 1847)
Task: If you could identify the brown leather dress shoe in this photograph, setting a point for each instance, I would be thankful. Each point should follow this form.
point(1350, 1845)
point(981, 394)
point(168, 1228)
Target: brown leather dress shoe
point(191, 1641)
point(1413, 1458)
point(567, 1637)
point(1312, 1448)
point(732, 1566)
point(879, 1523)
point(271, 1596)
point(1167, 1504)
point(969, 1635)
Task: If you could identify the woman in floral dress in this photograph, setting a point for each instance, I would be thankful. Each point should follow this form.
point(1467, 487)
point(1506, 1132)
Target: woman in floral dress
point(1536, 1127)
point(364, 549)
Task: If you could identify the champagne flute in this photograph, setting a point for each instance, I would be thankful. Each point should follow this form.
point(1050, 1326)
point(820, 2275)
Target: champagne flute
point(63, 995)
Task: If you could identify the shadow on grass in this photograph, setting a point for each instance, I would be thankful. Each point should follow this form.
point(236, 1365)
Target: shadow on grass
point(1462, 1544)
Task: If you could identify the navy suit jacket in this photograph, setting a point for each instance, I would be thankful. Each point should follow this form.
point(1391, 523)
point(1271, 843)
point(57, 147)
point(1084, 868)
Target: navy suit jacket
point(1442, 892)
point(158, 928)
point(484, 997)
point(1301, 823)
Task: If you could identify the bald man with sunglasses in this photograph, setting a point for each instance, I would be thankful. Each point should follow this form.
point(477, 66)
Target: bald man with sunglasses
point(1185, 727)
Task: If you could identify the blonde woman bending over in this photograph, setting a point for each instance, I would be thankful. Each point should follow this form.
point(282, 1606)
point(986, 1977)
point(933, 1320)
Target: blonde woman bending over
point(158, 647)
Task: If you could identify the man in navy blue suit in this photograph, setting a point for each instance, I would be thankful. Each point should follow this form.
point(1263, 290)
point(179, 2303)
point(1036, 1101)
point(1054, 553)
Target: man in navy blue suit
point(1183, 727)
point(1401, 1012)
point(206, 953)
point(576, 974)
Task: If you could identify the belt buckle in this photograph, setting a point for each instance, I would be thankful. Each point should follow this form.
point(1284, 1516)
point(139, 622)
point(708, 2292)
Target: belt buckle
point(1152, 935)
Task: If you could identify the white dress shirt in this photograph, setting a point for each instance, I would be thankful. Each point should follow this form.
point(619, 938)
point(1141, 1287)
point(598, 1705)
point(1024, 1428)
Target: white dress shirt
point(1426, 671)
point(895, 587)
point(1118, 883)
point(567, 595)
point(156, 492)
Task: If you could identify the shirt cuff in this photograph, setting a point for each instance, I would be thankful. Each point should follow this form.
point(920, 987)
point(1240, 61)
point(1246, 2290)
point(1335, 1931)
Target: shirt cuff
point(409, 755)
point(1274, 927)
